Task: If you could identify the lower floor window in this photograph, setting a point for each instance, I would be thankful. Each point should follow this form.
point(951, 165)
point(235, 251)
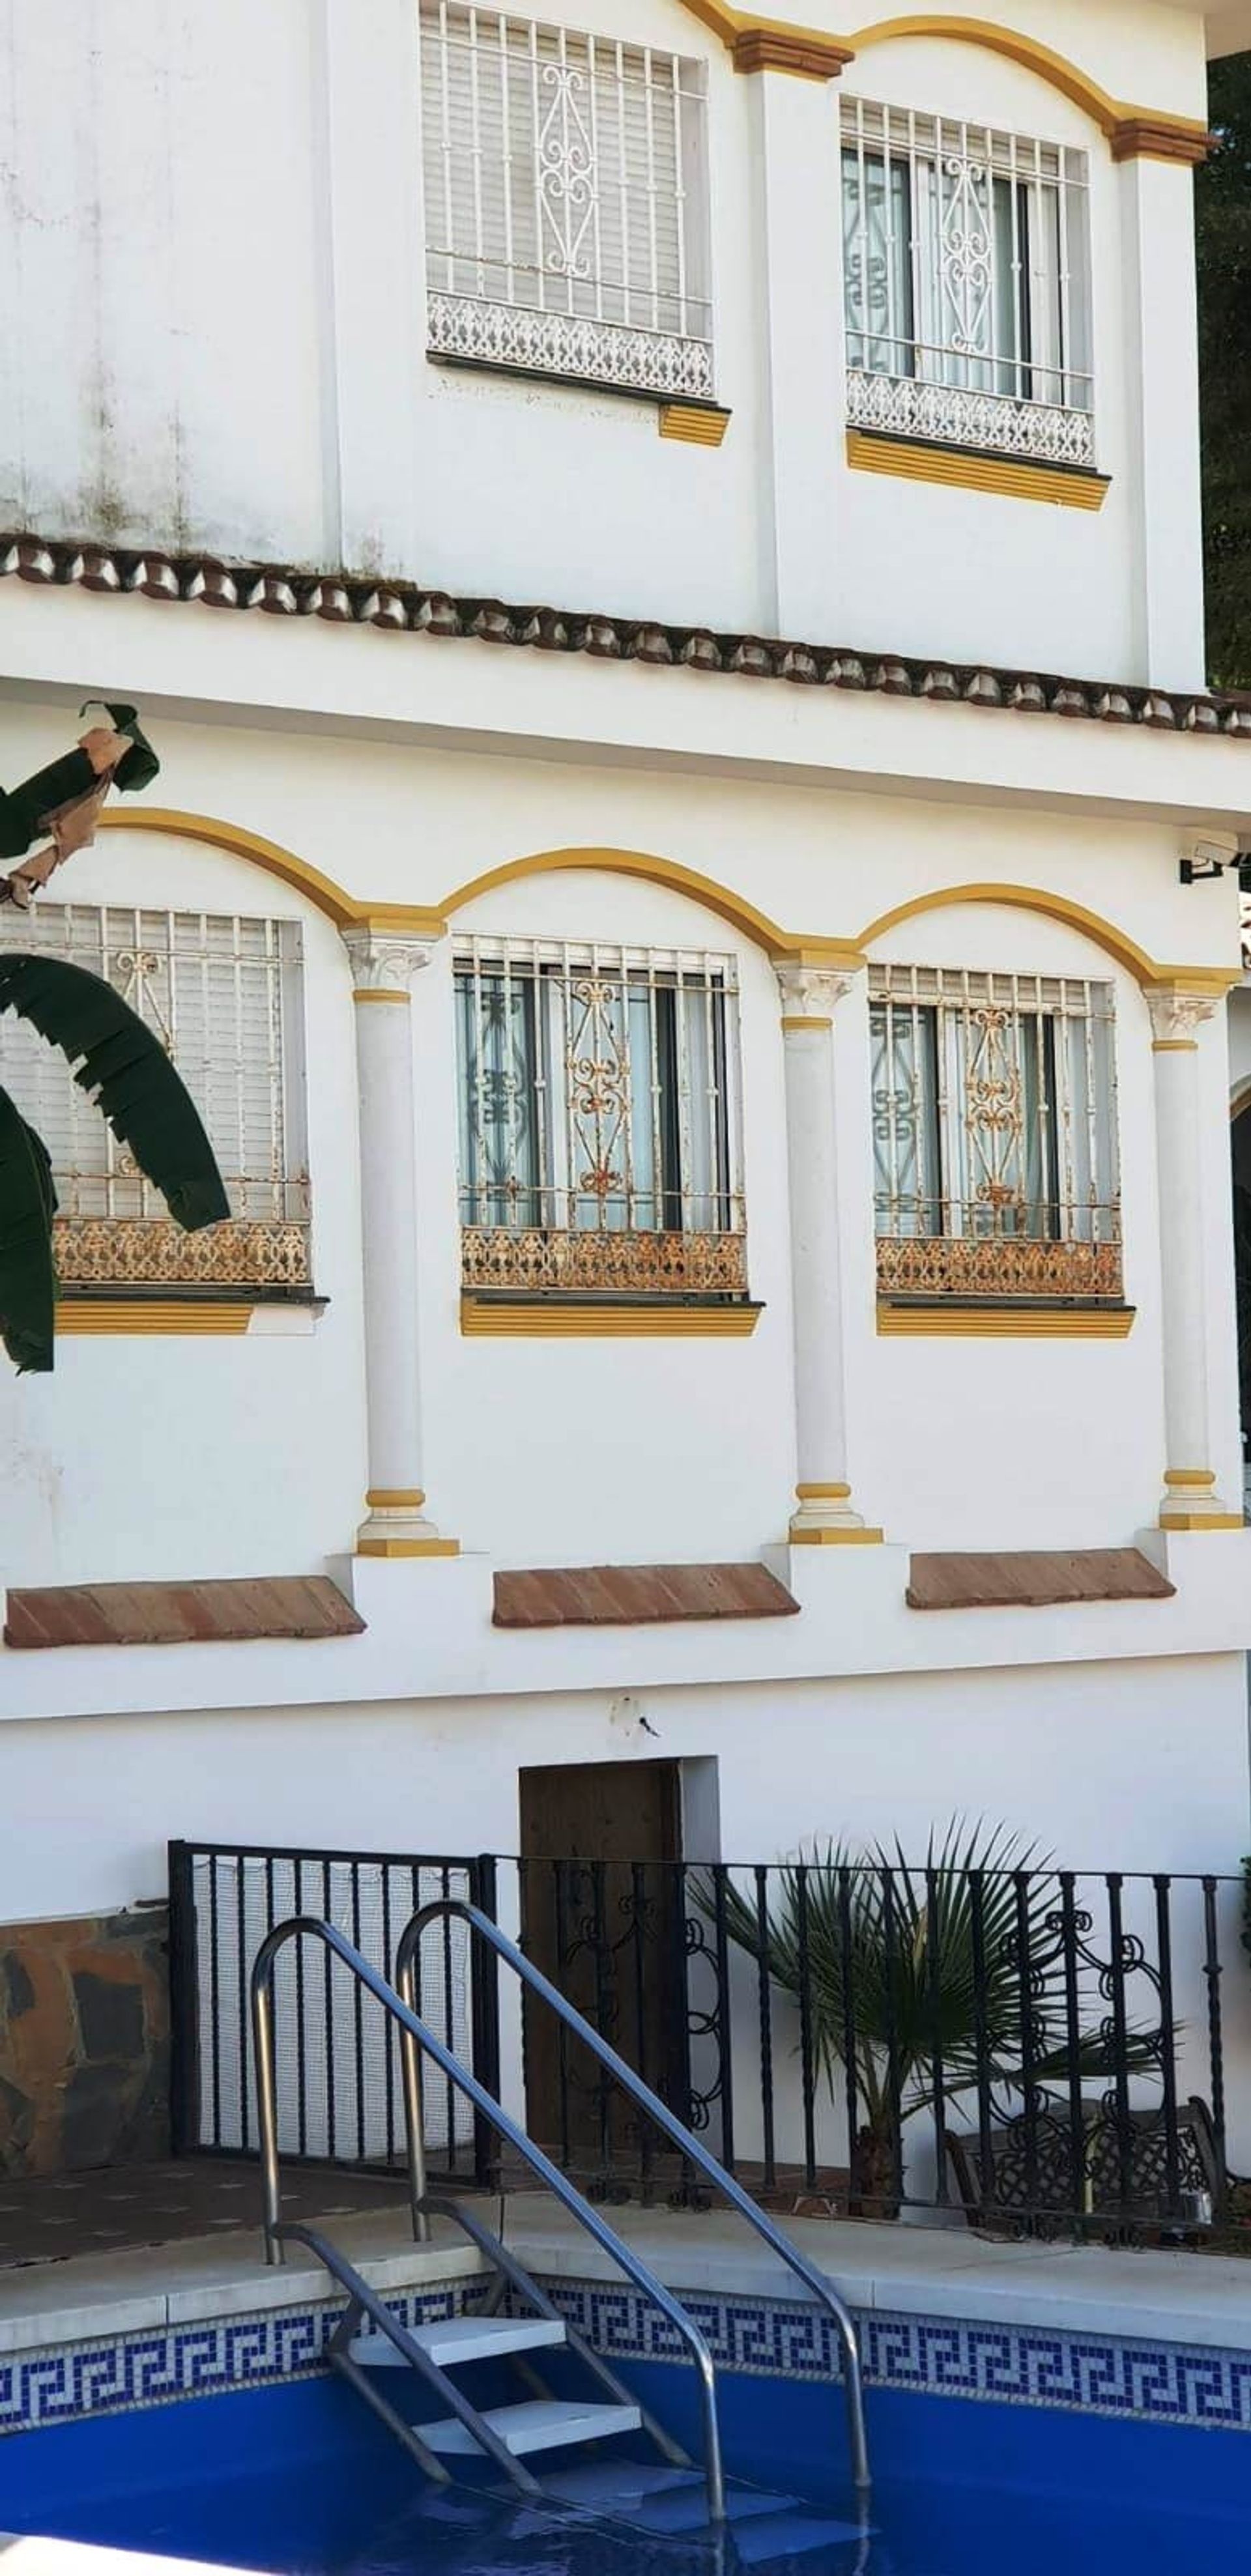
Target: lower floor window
point(994, 1135)
point(599, 1127)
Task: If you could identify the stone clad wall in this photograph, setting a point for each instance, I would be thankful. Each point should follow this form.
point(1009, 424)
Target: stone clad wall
point(84, 2042)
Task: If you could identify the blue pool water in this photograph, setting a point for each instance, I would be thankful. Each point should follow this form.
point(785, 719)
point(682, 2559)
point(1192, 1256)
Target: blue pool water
point(301, 2480)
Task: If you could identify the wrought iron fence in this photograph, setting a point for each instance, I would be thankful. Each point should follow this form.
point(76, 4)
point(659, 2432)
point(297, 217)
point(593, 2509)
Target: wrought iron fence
point(340, 2098)
point(1036, 2050)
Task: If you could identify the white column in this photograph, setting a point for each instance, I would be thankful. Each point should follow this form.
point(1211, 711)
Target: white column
point(383, 967)
point(1162, 417)
point(823, 1489)
point(795, 151)
point(1190, 1500)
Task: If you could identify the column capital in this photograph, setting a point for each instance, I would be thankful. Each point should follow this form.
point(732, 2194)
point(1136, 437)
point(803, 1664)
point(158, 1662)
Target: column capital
point(810, 992)
point(1175, 1013)
point(384, 961)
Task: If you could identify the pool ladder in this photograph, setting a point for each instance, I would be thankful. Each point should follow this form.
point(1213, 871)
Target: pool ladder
point(369, 2338)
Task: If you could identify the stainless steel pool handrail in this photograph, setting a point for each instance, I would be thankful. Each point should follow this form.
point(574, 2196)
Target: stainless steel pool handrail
point(416, 2034)
point(665, 2120)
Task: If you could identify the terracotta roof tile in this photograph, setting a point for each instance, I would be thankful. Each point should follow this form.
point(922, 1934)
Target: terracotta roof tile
point(1032, 1579)
point(179, 1614)
point(286, 590)
point(630, 1596)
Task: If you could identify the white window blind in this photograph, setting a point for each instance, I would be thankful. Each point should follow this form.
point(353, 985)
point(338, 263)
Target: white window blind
point(566, 221)
point(599, 1120)
point(994, 1133)
point(223, 995)
point(966, 284)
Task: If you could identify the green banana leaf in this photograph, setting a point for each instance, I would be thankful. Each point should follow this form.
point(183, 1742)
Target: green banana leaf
point(27, 1272)
point(126, 1069)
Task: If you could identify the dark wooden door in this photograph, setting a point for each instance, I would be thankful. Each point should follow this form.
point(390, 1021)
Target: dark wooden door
point(602, 1916)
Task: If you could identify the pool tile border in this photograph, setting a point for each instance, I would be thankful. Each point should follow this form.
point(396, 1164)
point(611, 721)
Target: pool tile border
point(951, 2357)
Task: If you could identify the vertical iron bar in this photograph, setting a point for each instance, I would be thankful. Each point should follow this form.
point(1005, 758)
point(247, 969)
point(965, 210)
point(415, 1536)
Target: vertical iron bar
point(847, 1965)
point(215, 2001)
point(301, 2113)
point(327, 1910)
point(603, 2009)
point(981, 2039)
point(184, 2004)
point(1116, 1972)
point(449, 2004)
point(1029, 2092)
point(638, 1887)
point(1078, 2142)
point(484, 1993)
point(894, 2090)
point(766, 2026)
point(1216, 2048)
point(388, 1970)
point(725, 2036)
point(358, 2001)
point(1168, 2059)
point(241, 1954)
point(807, 2068)
point(561, 1893)
point(933, 1945)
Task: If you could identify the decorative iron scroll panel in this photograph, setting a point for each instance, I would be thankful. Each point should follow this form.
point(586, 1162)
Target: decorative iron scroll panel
point(599, 1118)
point(566, 218)
point(223, 994)
point(966, 285)
point(994, 1134)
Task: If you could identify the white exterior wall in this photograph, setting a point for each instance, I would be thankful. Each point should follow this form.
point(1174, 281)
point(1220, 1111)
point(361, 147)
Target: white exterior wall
point(232, 349)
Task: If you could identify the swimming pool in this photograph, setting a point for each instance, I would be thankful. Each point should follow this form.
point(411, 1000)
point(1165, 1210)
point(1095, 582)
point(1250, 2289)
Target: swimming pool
point(300, 2479)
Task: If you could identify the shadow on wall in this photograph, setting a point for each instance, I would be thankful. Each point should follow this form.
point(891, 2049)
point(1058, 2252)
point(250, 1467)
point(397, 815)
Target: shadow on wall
point(84, 2042)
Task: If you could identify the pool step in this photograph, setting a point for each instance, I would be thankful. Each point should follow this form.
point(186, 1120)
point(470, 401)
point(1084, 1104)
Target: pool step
point(792, 2535)
point(459, 2339)
point(538, 2424)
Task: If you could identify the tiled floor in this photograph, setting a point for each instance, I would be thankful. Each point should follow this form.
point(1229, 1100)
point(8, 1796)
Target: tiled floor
point(51, 2220)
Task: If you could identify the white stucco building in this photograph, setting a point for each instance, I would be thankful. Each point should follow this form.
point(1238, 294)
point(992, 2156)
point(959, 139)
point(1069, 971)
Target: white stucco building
point(660, 551)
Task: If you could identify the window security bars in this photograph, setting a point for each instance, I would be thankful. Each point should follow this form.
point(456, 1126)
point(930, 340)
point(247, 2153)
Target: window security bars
point(994, 1135)
point(599, 1119)
point(223, 995)
point(966, 285)
point(566, 203)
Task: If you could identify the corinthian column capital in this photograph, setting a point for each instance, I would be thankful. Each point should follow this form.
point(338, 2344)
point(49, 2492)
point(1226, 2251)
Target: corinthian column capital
point(809, 993)
point(384, 961)
point(1175, 1014)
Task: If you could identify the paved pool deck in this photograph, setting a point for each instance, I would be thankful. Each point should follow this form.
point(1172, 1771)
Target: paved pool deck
point(1157, 2296)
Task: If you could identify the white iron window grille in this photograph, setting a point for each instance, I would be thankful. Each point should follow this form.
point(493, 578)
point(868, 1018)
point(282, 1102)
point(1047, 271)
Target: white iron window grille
point(599, 1119)
point(566, 202)
point(994, 1134)
point(966, 285)
point(223, 995)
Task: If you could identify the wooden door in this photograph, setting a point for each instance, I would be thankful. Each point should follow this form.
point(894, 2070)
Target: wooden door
point(603, 1916)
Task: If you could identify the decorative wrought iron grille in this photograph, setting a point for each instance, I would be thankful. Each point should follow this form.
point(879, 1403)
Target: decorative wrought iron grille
point(966, 285)
point(599, 1118)
point(566, 214)
point(222, 993)
point(994, 1134)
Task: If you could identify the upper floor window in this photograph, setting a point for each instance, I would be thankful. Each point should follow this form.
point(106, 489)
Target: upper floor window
point(994, 1135)
point(223, 995)
point(566, 203)
point(599, 1125)
point(967, 285)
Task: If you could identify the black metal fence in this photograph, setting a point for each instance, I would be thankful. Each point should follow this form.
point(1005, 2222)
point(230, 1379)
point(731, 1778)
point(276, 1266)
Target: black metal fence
point(340, 2099)
point(1037, 2049)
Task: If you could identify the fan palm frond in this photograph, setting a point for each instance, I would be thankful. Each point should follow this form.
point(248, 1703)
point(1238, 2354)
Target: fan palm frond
point(27, 1272)
point(126, 1069)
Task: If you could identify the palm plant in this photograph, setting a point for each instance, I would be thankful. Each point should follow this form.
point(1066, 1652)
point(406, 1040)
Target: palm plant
point(922, 1979)
point(147, 1105)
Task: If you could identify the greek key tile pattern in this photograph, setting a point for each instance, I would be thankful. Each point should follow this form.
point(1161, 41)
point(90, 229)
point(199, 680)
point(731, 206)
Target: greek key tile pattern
point(957, 2357)
point(123, 2372)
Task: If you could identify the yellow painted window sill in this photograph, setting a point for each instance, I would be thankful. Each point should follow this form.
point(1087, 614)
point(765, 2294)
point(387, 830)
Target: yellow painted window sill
point(188, 1315)
point(1014, 478)
point(1008, 1323)
point(570, 1318)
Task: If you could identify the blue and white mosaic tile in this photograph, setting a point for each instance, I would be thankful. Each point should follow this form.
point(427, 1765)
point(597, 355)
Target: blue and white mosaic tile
point(956, 2357)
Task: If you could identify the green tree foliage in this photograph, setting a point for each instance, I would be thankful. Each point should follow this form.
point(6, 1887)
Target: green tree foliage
point(1223, 211)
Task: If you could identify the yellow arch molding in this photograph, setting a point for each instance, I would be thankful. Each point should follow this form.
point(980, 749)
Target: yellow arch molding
point(431, 921)
point(334, 900)
point(1107, 935)
point(1130, 130)
point(734, 908)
